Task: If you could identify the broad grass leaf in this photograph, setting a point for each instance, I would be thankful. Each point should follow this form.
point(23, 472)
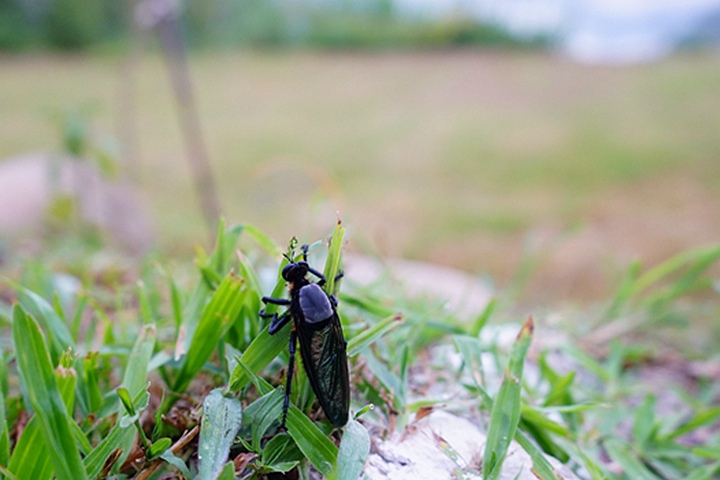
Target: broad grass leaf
point(45, 315)
point(353, 452)
point(280, 454)
point(222, 417)
point(38, 378)
point(217, 317)
point(261, 414)
point(30, 457)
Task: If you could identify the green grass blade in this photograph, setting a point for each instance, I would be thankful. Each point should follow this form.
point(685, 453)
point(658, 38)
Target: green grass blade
point(707, 472)
point(4, 435)
point(370, 305)
point(311, 441)
point(470, 350)
point(703, 257)
point(705, 417)
point(136, 371)
point(43, 312)
point(483, 318)
point(372, 334)
point(30, 458)
point(267, 244)
point(506, 409)
point(621, 453)
point(120, 437)
point(37, 375)
point(541, 466)
point(332, 264)
point(353, 452)
point(222, 417)
point(261, 414)
point(228, 472)
point(263, 349)
point(217, 317)
point(89, 392)
point(95, 461)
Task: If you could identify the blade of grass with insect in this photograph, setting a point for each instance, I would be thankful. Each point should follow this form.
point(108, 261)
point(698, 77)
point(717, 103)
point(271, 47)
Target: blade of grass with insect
point(353, 452)
point(505, 413)
point(311, 441)
point(222, 417)
point(217, 317)
point(265, 347)
point(37, 376)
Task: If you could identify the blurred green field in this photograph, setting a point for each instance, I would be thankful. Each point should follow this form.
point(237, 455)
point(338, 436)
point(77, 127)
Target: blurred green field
point(463, 158)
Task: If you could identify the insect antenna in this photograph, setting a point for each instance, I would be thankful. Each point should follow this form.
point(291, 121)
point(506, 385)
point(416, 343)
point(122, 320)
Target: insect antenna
point(305, 248)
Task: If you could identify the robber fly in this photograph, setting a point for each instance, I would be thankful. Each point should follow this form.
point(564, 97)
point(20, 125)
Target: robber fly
point(317, 326)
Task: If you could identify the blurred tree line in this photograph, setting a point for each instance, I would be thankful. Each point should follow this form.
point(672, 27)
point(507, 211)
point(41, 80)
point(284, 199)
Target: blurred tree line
point(79, 24)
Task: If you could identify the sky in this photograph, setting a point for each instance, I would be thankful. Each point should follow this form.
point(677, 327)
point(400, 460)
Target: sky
point(591, 31)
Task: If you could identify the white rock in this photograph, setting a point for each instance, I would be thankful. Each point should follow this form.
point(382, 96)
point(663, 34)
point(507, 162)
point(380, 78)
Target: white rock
point(444, 446)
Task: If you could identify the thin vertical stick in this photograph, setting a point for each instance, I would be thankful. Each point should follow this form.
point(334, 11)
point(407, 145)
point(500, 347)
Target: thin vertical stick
point(173, 46)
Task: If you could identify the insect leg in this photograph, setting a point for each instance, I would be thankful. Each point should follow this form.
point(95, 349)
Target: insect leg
point(288, 382)
point(276, 301)
point(278, 322)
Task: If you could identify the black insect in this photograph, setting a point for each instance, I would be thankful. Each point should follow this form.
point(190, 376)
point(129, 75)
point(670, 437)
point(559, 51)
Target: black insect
point(322, 346)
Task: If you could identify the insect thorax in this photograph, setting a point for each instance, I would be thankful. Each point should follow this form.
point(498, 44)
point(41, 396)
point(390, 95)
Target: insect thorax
point(314, 303)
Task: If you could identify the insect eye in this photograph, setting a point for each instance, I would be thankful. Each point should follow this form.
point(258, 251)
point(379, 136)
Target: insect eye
point(287, 271)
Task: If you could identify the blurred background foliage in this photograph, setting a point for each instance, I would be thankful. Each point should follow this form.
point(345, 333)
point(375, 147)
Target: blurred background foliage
point(79, 24)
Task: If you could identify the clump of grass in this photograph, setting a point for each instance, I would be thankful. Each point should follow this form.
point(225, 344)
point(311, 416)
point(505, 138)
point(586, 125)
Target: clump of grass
point(177, 374)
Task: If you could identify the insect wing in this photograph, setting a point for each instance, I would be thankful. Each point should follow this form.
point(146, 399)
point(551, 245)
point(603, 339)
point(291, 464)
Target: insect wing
point(324, 356)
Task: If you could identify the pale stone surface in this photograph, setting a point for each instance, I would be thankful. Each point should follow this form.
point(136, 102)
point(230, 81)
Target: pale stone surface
point(464, 294)
point(29, 182)
point(444, 446)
